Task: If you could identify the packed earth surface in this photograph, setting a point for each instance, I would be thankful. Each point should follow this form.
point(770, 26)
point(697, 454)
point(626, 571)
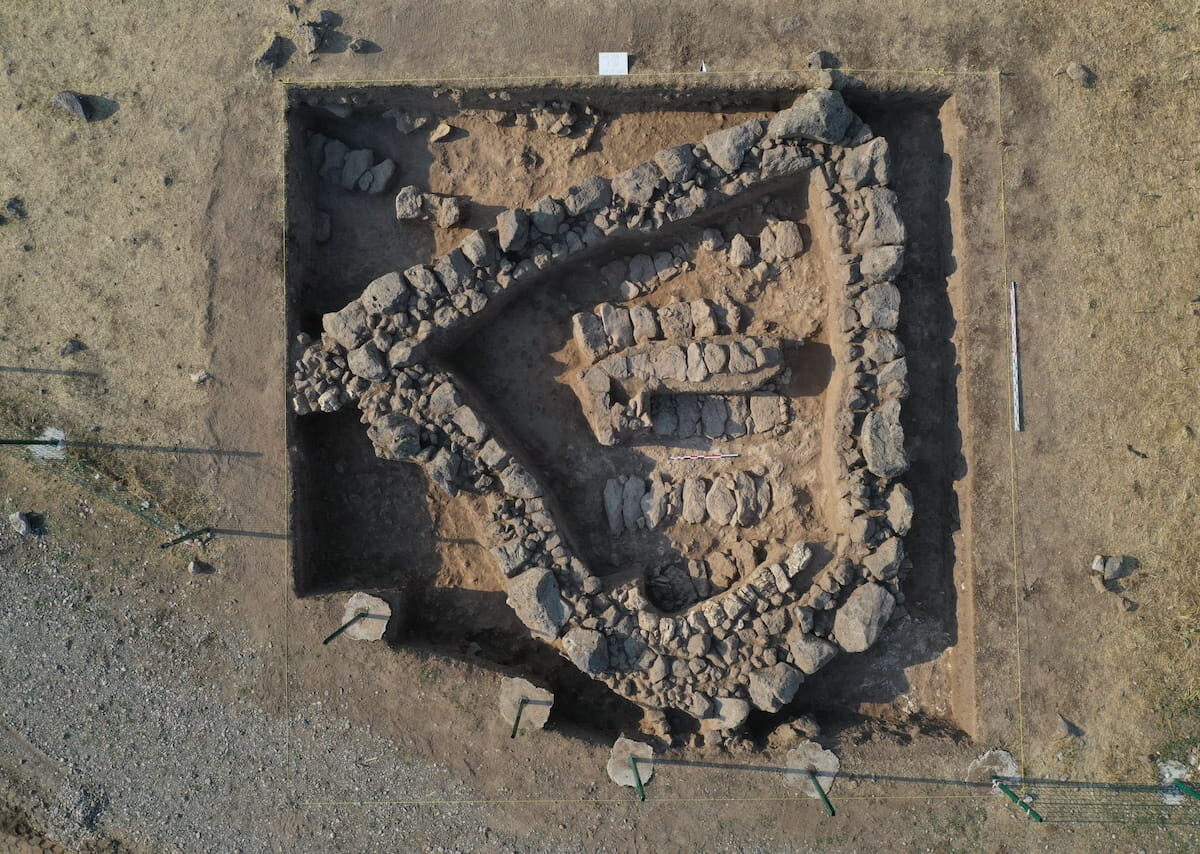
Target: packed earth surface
point(646, 435)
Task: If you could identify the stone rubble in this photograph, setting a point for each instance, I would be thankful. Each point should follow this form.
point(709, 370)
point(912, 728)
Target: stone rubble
point(742, 499)
point(349, 169)
point(413, 203)
point(754, 624)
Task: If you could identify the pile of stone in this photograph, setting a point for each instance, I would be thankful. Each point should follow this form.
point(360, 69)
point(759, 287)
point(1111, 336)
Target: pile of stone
point(607, 329)
point(561, 118)
point(641, 274)
point(675, 586)
point(710, 416)
point(356, 169)
point(413, 203)
point(632, 504)
point(617, 393)
point(674, 186)
point(407, 122)
point(754, 643)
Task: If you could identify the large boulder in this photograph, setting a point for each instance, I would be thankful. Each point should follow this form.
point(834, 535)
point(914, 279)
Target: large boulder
point(883, 226)
point(587, 650)
point(534, 596)
point(728, 147)
point(74, 103)
point(900, 509)
point(535, 711)
point(772, 688)
point(479, 249)
point(883, 440)
point(678, 164)
point(619, 768)
point(347, 326)
point(879, 306)
point(862, 617)
point(589, 336)
point(395, 436)
point(881, 263)
point(727, 713)
point(512, 230)
point(591, 195)
point(368, 362)
point(637, 185)
point(809, 652)
point(385, 295)
point(867, 164)
point(884, 562)
point(818, 114)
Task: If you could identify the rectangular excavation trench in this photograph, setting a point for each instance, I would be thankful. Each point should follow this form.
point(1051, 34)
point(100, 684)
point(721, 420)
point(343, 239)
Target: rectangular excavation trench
point(359, 522)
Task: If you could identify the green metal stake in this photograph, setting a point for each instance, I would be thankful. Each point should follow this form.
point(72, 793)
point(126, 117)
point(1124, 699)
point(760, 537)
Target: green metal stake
point(199, 532)
point(1012, 796)
point(517, 722)
point(637, 779)
point(1187, 790)
point(824, 797)
point(345, 626)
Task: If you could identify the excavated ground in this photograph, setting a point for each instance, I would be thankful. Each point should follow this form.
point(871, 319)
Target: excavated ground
point(360, 522)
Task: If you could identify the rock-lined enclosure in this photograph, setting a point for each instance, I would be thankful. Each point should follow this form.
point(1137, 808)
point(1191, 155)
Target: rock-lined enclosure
point(781, 619)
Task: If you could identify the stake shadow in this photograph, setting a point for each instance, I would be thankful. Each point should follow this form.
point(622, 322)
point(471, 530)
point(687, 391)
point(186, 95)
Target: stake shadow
point(59, 372)
point(161, 449)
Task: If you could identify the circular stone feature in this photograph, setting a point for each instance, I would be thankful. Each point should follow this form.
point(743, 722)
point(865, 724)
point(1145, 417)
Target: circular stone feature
point(618, 761)
point(810, 756)
point(537, 707)
point(372, 626)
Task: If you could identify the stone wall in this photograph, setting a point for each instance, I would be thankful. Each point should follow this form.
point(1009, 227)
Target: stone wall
point(779, 619)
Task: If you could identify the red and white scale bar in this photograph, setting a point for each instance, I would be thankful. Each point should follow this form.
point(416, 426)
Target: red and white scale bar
point(706, 457)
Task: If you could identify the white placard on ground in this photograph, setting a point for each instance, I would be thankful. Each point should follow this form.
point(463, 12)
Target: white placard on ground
point(614, 63)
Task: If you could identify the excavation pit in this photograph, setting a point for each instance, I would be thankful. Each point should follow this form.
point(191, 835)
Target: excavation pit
point(754, 278)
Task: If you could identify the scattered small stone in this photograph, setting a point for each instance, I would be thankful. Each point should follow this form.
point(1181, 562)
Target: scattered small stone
point(359, 46)
point(406, 123)
point(73, 345)
point(200, 377)
point(199, 567)
point(1081, 75)
point(1113, 567)
point(15, 207)
point(1128, 604)
point(73, 103)
point(440, 132)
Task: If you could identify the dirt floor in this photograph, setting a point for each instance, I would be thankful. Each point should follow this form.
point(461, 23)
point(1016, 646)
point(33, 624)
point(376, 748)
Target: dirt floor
point(155, 236)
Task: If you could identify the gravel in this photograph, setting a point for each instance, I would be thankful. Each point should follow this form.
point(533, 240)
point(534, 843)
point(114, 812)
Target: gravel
point(126, 722)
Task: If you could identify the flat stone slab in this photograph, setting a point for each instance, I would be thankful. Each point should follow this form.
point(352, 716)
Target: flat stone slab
point(992, 763)
point(537, 710)
point(810, 756)
point(372, 626)
point(618, 761)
